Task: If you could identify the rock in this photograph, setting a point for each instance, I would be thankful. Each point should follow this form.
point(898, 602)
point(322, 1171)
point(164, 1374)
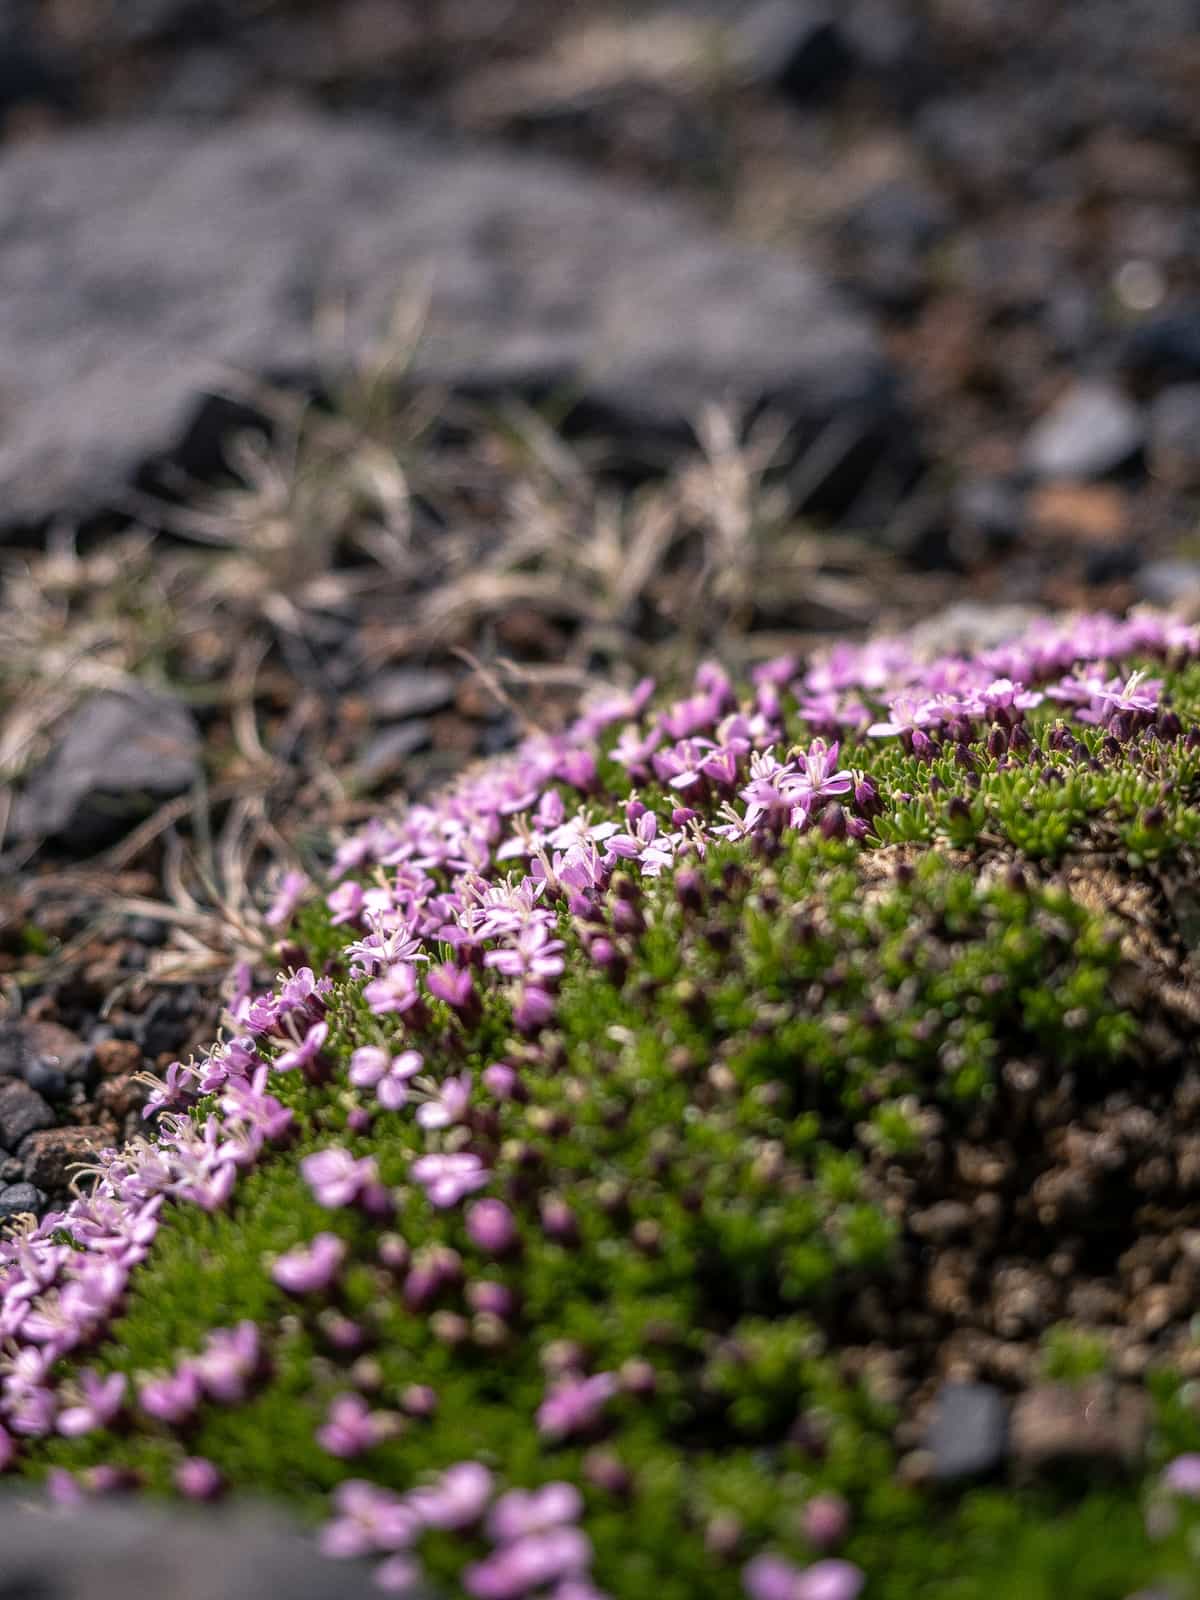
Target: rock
point(988, 514)
point(1174, 435)
point(118, 755)
point(141, 263)
point(409, 692)
point(30, 76)
point(1096, 1423)
point(114, 1057)
point(49, 1156)
point(1089, 513)
point(384, 755)
point(93, 1551)
point(32, 1049)
point(1164, 347)
point(19, 1199)
point(1170, 582)
point(797, 46)
point(1091, 431)
point(22, 1112)
point(891, 230)
point(968, 1434)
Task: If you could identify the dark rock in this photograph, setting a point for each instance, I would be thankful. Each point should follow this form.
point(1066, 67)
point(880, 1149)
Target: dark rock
point(49, 1157)
point(16, 1199)
point(409, 692)
point(204, 82)
point(385, 754)
point(141, 263)
point(30, 76)
point(117, 756)
point(50, 1082)
point(968, 1434)
point(797, 46)
point(148, 931)
point(93, 1552)
point(1092, 430)
point(1165, 347)
point(22, 1112)
point(1173, 430)
point(890, 231)
point(987, 516)
point(30, 1049)
point(1097, 1423)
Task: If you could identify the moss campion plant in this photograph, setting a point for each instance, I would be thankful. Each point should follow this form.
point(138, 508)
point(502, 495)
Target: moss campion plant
point(592, 1207)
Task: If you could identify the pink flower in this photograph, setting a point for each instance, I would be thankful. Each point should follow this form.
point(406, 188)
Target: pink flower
point(102, 1399)
point(529, 1563)
point(490, 1225)
point(336, 1178)
point(227, 1363)
point(447, 1179)
point(310, 1270)
point(373, 1068)
point(458, 1499)
point(449, 1105)
point(369, 1520)
point(349, 1427)
point(574, 1405)
point(172, 1399)
point(519, 1512)
point(197, 1478)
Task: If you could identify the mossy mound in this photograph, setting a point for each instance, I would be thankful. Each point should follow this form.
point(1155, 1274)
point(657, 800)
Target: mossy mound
point(664, 1151)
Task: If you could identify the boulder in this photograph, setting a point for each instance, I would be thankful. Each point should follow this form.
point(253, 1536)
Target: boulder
point(118, 754)
point(108, 1550)
point(144, 266)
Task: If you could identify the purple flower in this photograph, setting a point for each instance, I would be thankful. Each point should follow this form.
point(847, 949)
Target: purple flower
point(826, 1520)
point(172, 1399)
point(197, 1478)
point(399, 1574)
point(292, 889)
point(1182, 1476)
point(574, 1405)
point(449, 1104)
point(521, 1512)
point(447, 1179)
point(227, 1363)
point(369, 1520)
point(336, 1178)
point(373, 1068)
point(349, 1427)
point(310, 1270)
point(395, 990)
point(102, 1398)
point(456, 986)
point(490, 1225)
point(529, 1563)
point(457, 1499)
point(305, 1055)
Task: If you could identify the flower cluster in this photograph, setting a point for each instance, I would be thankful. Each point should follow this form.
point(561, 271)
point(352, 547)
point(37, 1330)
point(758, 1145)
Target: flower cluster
point(467, 911)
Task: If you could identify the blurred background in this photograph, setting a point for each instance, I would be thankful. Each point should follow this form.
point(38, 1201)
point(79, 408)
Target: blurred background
point(379, 376)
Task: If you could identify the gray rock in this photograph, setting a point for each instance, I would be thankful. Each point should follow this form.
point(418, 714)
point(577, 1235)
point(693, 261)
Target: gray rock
point(1091, 431)
point(118, 755)
point(409, 692)
point(19, 1199)
point(384, 755)
point(1174, 435)
point(1165, 346)
point(798, 46)
point(968, 1434)
point(1097, 1424)
point(968, 626)
point(1169, 582)
point(110, 1550)
point(22, 1112)
point(142, 265)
